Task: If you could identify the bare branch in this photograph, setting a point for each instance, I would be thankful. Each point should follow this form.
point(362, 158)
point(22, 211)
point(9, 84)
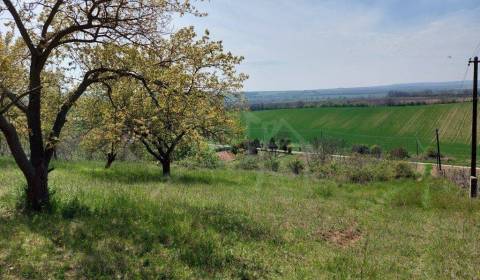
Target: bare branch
point(21, 27)
point(50, 18)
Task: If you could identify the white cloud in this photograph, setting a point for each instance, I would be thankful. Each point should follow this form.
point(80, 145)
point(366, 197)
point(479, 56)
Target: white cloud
point(305, 45)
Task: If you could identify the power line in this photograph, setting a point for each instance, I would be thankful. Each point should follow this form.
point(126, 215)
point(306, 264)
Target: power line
point(465, 76)
point(476, 50)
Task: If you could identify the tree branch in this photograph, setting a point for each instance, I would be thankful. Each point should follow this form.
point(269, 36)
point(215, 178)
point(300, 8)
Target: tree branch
point(15, 100)
point(150, 150)
point(16, 148)
point(50, 18)
point(21, 27)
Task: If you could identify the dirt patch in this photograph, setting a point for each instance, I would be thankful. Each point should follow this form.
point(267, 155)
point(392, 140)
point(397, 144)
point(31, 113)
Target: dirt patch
point(226, 156)
point(344, 237)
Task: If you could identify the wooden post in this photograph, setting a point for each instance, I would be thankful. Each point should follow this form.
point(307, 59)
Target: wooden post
point(439, 160)
point(416, 141)
point(473, 169)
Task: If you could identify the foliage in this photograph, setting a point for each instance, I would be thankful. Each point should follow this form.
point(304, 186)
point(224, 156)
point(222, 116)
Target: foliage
point(272, 145)
point(404, 170)
point(183, 94)
point(247, 163)
point(202, 156)
point(432, 153)
point(363, 170)
point(61, 64)
point(321, 150)
point(296, 166)
point(399, 153)
point(271, 162)
point(285, 144)
point(361, 149)
point(104, 121)
point(376, 151)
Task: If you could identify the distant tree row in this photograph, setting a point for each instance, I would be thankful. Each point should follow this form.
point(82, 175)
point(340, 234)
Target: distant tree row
point(392, 98)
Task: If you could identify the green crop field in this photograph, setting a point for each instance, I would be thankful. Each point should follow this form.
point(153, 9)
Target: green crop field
point(388, 127)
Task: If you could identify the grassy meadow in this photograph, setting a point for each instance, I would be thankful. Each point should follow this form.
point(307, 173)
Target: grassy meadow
point(130, 223)
point(389, 127)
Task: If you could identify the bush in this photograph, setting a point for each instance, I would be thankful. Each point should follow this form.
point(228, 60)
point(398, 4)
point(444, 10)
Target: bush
point(285, 144)
point(399, 153)
point(361, 175)
point(247, 163)
point(271, 163)
point(404, 170)
point(272, 146)
point(383, 171)
point(432, 153)
point(376, 151)
point(330, 170)
point(360, 149)
point(296, 166)
point(202, 157)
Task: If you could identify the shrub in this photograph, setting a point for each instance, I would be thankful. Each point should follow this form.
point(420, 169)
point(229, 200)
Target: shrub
point(272, 146)
point(362, 170)
point(404, 170)
point(360, 149)
point(432, 153)
point(271, 163)
point(376, 151)
point(285, 144)
point(333, 170)
point(383, 171)
point(202, 157)
point(247, 163)
point(399, 153)
point(235, 149)
point(361, 175)
point(207, 158)
point(296, 167)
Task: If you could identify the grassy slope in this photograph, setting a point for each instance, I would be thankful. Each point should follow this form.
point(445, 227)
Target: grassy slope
point(222, 224)
point(387, 126)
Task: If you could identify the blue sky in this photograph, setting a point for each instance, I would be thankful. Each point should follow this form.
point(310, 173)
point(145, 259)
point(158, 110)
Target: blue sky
point(310, 44)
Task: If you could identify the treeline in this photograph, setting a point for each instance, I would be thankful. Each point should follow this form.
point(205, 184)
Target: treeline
point(393, 98)
point(430, 93)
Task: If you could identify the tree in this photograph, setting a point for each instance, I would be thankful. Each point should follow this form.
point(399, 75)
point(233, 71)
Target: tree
point(104, 120)
point(272, 146)
point(57, 34)
point(184, 94)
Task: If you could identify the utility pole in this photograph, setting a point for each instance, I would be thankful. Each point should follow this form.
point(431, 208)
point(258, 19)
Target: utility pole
point(473, 170)
point(439, 160)
point(416, 142)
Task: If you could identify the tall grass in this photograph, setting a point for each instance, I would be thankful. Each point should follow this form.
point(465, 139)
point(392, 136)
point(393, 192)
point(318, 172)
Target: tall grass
point(131, 223)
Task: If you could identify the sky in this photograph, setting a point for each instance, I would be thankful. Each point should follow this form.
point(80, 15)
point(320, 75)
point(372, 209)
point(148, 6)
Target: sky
point(313, 44)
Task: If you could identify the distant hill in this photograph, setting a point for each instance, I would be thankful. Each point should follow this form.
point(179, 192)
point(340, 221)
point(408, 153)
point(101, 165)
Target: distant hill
point(255, 97)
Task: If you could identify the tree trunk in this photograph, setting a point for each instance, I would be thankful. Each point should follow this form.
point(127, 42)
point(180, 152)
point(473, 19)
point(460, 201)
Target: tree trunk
point(110, 159)
point(166, 167)
point(37, 193)
point(37, 189)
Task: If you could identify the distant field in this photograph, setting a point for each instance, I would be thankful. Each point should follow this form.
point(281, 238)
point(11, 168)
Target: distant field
point(386, 126)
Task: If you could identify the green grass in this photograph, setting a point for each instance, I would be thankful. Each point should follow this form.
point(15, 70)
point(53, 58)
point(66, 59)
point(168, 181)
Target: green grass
point(129, 223)
point(389, 127)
